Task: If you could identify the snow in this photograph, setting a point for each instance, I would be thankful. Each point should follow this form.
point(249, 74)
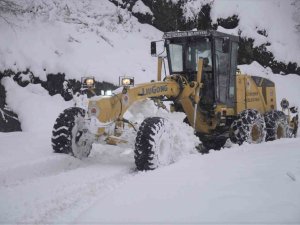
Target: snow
point(140, 7)
point(36, 110)
point(192, 8)
point(280, 19)
point(246, 184)
point(79, 38)
point(235, 185)
point(241, 184)
point(83, 38)
point(268, 15)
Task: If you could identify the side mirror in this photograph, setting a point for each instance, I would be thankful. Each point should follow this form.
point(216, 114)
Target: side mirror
point(153, 48)
point(294, 109)
point(225, 45)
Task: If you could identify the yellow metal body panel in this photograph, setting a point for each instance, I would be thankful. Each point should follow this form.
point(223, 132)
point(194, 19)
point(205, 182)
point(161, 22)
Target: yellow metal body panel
point(248, 96)
point(251, 96)
point(254, 98)
point(114, 107)
point(270, 98)
point(240, 94)
point(202, 124)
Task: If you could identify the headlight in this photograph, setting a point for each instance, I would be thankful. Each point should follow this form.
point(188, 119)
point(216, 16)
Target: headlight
point(88, 82)
point(126, 81)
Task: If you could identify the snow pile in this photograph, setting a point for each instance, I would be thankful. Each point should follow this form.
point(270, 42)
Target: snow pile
point(192, 8)
point(36, 110)
point(181, 133)
point(140, 7)
point(78, 38)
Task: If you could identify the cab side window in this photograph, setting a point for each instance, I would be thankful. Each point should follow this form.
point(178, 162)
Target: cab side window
point(222, 69)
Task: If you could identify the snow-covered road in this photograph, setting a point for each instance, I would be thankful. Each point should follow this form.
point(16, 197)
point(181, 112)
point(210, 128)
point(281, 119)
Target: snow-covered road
point(249, 183)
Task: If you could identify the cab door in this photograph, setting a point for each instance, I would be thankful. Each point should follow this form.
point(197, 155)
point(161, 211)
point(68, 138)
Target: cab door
point(225, 63)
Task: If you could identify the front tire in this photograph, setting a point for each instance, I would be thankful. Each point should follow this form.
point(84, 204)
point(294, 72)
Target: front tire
point(68, 136)
point(277, 125)
point(248, 127)
point(153, 144)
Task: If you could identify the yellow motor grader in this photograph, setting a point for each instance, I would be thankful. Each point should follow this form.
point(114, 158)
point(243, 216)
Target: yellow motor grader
point(204, 83)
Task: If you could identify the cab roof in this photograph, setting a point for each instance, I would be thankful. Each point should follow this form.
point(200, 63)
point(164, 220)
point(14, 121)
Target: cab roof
point(199, 33)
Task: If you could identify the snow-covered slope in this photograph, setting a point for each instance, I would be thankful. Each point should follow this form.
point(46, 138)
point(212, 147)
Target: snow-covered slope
point(78, 38)
point(87, 38)
point(278, 18)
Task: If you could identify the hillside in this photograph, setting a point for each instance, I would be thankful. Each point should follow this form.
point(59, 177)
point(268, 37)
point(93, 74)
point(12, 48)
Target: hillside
point(77, 38)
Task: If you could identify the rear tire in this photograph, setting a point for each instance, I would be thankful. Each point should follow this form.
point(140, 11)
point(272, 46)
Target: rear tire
point(153, 146)
point(248, 127)
point(277, 125)
point(67, 134)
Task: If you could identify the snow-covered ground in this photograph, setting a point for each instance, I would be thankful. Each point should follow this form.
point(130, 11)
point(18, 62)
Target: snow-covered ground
point(241, 184)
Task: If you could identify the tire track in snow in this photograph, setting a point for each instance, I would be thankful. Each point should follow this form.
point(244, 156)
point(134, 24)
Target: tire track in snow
point(20, 174)
point(67, 207)
point(56, 186)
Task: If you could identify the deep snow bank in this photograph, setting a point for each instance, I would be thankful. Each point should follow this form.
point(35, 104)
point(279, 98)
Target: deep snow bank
point(78, 38)
point(37, 110)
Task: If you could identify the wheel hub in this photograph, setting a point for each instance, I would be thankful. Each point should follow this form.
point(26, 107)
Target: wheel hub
point(255, 133)
point(279, 132)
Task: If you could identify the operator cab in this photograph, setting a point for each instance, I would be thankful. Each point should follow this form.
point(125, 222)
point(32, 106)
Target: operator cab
point(219, 53)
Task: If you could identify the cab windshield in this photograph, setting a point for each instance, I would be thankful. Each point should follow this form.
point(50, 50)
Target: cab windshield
point(183, 57)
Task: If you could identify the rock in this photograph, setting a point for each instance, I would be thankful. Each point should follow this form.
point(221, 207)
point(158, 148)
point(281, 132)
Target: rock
point(9, 121)
point(55, 84)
